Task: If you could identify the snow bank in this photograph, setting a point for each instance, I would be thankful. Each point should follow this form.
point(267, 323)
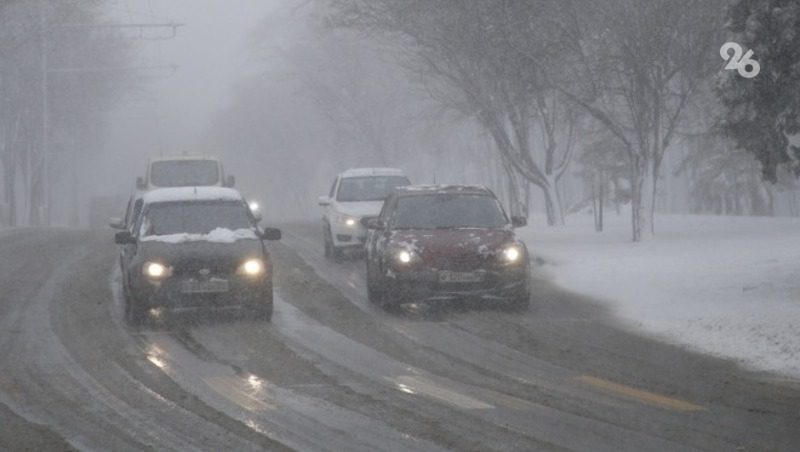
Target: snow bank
point(219, 235)
point(729, 286)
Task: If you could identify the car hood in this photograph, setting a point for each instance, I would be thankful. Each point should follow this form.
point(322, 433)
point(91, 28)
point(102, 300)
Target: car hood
point(219, 254)
point(360, 209)
point(443, 243)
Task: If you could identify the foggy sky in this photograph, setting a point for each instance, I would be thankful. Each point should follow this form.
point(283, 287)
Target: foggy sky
point(211, 51)
point(167, 115)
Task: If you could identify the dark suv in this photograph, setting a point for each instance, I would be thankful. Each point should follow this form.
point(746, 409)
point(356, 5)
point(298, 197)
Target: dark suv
point(442, 243)
point(195, 247)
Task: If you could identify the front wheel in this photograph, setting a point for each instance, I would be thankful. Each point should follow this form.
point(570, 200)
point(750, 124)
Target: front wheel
point(331, 252)
point(328, 241)
point(135, 313)
point(262, 313)
point(522, 301)
point(261, 310)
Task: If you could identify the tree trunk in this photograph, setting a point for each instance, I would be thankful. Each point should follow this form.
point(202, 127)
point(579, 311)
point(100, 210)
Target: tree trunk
point(553, 206)
point(600, 202)
point(642, 199)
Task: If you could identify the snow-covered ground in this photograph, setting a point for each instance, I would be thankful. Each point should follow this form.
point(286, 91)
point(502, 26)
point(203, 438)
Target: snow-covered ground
point(729, 286)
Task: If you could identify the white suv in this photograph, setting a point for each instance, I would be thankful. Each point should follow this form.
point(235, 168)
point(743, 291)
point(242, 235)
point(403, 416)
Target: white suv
point(355, 194)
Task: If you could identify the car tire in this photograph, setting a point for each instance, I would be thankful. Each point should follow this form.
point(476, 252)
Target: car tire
point(261, 310)
point(390, 302)
point(331, 252)
point(375, 294)
point(522, 301)
point(262, 313)
point(135, 313)
point(326, 238)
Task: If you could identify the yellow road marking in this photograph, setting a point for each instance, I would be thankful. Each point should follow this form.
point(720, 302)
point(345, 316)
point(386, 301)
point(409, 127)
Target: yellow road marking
point(639, 395)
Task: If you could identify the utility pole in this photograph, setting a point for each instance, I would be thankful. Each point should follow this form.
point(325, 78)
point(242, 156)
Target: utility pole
point(45, 171)
point(44, 211)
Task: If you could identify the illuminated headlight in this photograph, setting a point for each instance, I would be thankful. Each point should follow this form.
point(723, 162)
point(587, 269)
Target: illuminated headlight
point(406, 257)
point(253, 267)
point(254, 206)
point(346, 220)
point(156, 270)
point(512, 253)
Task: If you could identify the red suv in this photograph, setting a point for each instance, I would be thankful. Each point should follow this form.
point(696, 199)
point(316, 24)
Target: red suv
point(442, 243)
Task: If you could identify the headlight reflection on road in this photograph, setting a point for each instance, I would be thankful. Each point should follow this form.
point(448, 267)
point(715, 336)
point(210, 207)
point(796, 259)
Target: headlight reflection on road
point(405, 388)
point(255, 382)
point(154, 354)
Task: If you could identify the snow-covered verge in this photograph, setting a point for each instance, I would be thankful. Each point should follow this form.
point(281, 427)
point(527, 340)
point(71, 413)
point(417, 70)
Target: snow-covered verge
point(728, 286)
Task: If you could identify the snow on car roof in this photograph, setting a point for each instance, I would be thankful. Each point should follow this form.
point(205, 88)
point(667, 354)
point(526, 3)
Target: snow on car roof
point(169, 158)
point(356, 172)
point(192, 194)
point(426, 189)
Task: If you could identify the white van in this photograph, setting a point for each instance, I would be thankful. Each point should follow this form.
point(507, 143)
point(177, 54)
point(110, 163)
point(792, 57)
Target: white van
point(184, 171)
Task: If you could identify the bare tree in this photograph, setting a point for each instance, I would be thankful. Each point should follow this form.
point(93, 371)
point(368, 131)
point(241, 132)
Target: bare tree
point(637, 64)
point(466, 55)
point(34, 32)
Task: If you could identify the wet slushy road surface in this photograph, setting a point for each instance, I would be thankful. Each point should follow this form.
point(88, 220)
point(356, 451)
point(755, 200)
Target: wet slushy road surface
point(333, 372)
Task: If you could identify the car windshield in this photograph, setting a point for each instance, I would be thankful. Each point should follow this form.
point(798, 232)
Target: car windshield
point(444, 211)
point(369, 188)
point(183, 173)
point(194, 217)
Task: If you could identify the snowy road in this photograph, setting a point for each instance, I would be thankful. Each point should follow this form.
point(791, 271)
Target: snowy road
point(332, 372)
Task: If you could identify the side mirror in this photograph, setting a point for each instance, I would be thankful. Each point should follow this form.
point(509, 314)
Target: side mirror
point(270, 234)
point(116, 223)
point(124, 238)
point(519, 222)
point(257, 216)
point(230, 181)
point(140, 183)
point(375, 224)
point(365, 220)
point(324, 201)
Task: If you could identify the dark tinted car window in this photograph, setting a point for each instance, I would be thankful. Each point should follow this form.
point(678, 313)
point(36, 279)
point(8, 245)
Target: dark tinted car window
point(437, 211)
point(183, 173)
point(194, 217)
point(369, 188)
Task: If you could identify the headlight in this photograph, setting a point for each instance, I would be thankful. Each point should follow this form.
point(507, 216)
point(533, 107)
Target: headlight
point(512, 253)
point(346, 220)
point(253, 267)
point(156, 270)
point(406, 257)
point(254, 206)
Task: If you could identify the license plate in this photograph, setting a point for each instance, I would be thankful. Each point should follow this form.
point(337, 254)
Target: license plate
point(211, 286)
point(460, 277)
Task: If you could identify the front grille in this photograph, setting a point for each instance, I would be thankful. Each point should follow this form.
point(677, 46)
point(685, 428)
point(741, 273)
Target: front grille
point(194, 267)
point(464, 262)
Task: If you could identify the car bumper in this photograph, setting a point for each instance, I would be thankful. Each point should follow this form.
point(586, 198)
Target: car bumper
point(348, 236)
point(424, 286)
point(170, 294)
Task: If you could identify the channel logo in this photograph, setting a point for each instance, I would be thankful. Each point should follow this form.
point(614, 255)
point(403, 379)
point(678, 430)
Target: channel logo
point(738, 60)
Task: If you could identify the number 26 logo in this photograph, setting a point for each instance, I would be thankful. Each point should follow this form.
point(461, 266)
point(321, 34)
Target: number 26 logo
point(745, 65)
